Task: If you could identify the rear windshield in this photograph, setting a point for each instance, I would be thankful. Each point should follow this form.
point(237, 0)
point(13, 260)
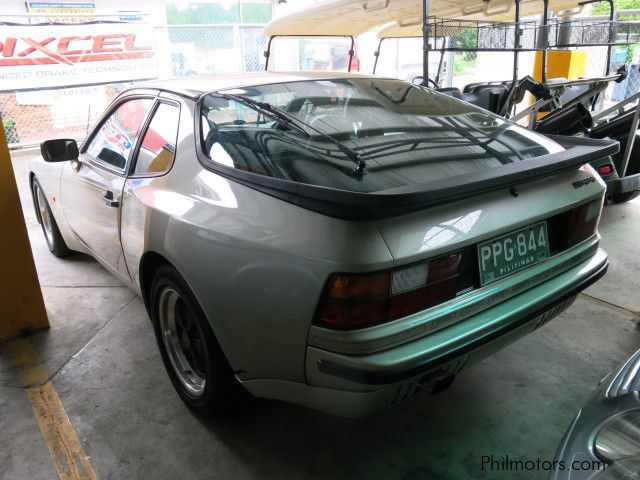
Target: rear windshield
point(405, 134)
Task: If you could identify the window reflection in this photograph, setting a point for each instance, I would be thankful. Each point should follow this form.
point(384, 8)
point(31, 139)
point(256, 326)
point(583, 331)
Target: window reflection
point(405, 133)
point(441, 234)
point(113, 142)
point(158, 147)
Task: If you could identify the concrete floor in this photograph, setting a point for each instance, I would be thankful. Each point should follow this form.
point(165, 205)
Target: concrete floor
point(103, 361)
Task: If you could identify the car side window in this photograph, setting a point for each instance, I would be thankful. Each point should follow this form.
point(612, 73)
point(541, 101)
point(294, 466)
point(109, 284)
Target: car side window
point(114, 140)
point(158, 147)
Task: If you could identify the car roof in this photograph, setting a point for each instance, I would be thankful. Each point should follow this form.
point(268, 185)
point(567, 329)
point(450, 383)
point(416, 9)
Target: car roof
point(195, 86)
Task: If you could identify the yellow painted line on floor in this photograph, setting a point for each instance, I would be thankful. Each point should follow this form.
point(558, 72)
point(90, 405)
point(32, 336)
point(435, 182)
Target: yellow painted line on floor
point(65, 448)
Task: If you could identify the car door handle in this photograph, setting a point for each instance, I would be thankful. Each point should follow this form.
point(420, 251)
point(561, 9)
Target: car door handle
point(109, 200)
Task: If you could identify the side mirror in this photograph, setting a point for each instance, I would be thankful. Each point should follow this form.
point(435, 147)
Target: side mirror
point(59, 150)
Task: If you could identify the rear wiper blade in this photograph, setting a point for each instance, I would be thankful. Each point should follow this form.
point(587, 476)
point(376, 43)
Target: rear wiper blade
point(293, 122)
point(265, 107)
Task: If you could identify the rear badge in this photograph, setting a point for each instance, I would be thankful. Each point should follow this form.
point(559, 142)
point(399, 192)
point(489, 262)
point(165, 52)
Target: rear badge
point(583, 182)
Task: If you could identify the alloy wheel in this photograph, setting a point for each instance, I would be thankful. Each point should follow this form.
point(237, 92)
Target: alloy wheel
point(183, 341)
point(45, 216)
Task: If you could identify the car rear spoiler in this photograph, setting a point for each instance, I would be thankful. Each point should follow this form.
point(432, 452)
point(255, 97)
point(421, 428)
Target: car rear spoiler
point(397, 201)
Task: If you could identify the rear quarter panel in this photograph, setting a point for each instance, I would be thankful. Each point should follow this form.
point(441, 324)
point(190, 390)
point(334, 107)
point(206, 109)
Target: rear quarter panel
point(256, 264)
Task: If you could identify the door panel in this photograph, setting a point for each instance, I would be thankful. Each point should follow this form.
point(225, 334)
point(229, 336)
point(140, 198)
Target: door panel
point(91, 188)
point(89, 214)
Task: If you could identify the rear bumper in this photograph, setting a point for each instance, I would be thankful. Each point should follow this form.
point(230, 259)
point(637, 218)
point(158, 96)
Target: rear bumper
point(358, 385)
point(536, 314)
point(630, 183)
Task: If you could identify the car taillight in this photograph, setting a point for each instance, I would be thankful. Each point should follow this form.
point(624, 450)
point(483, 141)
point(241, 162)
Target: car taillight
point(605, 170)
point(573, 226)
point(363, 300)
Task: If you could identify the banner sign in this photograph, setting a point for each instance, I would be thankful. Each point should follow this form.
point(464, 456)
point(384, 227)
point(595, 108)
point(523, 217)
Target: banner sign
point(61, 7)
point(48, 56)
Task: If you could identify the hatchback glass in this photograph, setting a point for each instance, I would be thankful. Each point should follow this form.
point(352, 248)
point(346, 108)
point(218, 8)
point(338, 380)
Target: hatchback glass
point(405, 133)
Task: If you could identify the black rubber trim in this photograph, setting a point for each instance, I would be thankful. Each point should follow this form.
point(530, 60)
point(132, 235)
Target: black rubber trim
point(424, 365)
point(630, 183)
point(351, 205)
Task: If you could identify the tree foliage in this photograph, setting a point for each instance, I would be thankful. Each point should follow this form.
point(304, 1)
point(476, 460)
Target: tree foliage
point(602, 8)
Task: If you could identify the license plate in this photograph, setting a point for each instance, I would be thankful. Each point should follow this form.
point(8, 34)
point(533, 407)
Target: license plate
point(512, 252)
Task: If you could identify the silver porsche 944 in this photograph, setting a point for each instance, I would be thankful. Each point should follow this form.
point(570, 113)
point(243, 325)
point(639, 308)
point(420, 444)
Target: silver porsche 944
point(334, 240)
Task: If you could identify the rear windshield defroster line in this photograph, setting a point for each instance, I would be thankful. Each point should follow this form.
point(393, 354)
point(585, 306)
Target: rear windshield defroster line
point(350, 205)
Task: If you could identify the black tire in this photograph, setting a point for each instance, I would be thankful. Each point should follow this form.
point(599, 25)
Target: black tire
point(53, 238)
point(624, 197)
point(221, 389)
